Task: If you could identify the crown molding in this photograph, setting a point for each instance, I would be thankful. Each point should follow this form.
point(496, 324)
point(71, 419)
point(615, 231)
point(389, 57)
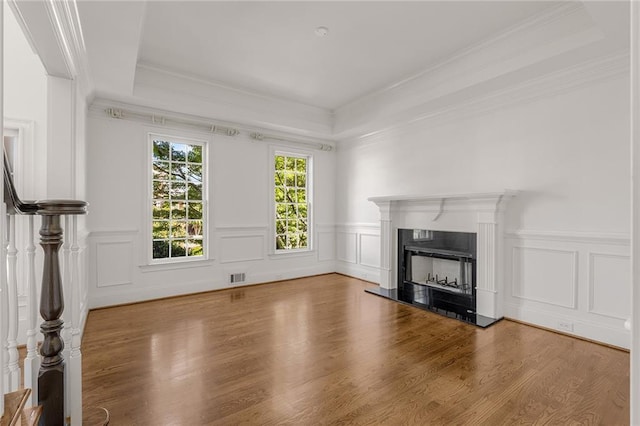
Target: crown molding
point(66, 21)
point(35, 20)
point(542, 44)
point(533, 23)
point(54, 32)
point(565, 80)
point(151, 68)
point(192, 95)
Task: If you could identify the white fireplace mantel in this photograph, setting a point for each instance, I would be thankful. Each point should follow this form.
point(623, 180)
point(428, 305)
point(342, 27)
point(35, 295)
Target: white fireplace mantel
point(481, 213)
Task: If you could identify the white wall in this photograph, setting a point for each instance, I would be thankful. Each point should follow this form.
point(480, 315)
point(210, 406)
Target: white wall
point(25, 101)
point(239, 178)
point(567, 245)
point(25, 110)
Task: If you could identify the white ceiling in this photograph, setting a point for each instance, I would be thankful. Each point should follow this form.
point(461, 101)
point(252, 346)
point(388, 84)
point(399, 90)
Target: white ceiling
point(383, 62)
point(270, 48)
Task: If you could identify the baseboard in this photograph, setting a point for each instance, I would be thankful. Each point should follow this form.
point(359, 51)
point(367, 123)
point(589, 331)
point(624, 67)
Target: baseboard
point(133, 295)
point(609, 335)
point(551, 330)
point(362, 272)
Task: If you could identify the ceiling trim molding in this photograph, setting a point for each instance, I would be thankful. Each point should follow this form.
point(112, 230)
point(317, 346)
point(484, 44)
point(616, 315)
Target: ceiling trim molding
point(195, 96)
point(501, 57)
point(62, 31)
point(531, 24)
point(220, 85)
point(23, 25)
point(553, 84)
point(68, 30)
point(54, 33)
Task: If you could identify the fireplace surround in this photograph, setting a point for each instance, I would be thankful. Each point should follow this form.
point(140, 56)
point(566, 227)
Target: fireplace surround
point(481, 214)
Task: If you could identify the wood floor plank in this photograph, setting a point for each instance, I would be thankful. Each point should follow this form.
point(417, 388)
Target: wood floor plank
point(320, 350)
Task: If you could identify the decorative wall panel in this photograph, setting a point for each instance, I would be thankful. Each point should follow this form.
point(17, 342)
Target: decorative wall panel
point(114, 263)
point(545, 275)
point(347, 246)
point(609, 282)
point(369, 250)
point(326, 245)
point(241, 248)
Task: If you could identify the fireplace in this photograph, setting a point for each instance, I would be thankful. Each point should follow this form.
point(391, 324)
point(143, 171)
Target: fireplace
point(444, 253)
point(437, 271)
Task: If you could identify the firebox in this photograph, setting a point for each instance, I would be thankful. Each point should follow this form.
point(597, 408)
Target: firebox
point(437, 271)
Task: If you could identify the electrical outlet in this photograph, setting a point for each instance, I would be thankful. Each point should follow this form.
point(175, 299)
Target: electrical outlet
point(565, 326)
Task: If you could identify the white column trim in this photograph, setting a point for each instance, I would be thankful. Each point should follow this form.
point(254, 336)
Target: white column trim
point(2, 213)
point(486, 292)
point(386, 244)
point(635, 215)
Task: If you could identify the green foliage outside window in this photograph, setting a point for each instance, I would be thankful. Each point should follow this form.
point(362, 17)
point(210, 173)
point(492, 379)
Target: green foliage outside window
point(177, 206)
point(291, 202)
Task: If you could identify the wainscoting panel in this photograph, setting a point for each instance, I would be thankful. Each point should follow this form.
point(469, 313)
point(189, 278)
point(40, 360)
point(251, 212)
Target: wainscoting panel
point(576, 283)
point(114, 253)
point(347, 246)
point(234, 250)
point(369, 249)
point(112, 259)
point(241, 248)
point(358, 250)
point(326, 245)
point(545, 275)
point(609, 278)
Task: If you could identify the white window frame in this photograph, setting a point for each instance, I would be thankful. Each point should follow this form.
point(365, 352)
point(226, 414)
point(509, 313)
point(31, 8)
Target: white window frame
point(289, 151)
point(151, 136)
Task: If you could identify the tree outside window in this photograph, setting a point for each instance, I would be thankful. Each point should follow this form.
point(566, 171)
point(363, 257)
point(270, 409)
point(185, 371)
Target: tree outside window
point(291, 202)
point(177, 201)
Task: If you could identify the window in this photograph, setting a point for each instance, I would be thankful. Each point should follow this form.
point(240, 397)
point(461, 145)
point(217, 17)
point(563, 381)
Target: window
point(292, 201)
point(178, 207)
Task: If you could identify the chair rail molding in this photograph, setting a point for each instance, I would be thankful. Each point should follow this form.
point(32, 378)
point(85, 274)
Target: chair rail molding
point(616, 238)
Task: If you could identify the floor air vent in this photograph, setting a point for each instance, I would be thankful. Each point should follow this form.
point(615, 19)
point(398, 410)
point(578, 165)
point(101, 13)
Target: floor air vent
point(237, 278)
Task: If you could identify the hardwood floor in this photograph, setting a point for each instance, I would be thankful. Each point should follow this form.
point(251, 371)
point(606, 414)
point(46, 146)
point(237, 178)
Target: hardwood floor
point(320, 350)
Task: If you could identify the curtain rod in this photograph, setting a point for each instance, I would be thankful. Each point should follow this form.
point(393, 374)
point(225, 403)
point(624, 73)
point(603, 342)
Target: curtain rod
point(124, 114)
point(120, 113)
point(261, 136)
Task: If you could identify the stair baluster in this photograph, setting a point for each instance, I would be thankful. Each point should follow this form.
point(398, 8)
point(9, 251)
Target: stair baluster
point(65, 251)
point(75, 356)
point(51, 377)
point(32, 360)
point(4, 319)
point(12, 300)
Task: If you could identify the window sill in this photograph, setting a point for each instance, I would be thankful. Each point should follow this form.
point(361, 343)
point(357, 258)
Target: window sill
point(182, 264)
point(292, 254)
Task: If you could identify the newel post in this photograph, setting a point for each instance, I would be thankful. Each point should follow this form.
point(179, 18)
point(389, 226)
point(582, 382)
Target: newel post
point(52, 368)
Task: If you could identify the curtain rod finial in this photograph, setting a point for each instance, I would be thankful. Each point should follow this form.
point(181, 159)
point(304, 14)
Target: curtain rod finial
point(114, 112)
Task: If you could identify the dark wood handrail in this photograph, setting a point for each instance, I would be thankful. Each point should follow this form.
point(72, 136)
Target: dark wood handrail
point(11, 199)
point(51, 375)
